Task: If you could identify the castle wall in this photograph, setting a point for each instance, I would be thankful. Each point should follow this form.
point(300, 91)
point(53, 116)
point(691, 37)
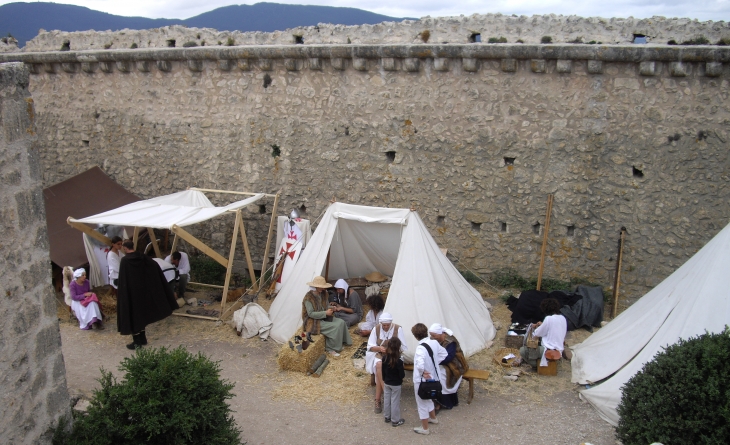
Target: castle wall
point(32, 371)
point(473, 136)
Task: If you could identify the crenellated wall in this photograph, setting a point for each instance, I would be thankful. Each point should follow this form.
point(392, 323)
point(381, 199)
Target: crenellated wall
point(474, 136)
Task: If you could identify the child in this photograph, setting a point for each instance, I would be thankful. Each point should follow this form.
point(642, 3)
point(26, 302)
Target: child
point(393, 374)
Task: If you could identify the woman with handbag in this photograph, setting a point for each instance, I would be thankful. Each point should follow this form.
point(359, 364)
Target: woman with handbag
point(427, 354)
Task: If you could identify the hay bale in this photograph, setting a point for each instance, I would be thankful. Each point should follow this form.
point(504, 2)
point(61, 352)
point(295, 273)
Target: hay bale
point(291, 360)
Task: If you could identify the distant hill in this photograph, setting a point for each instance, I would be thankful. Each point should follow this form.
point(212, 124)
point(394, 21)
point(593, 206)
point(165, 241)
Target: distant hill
point(23, 20)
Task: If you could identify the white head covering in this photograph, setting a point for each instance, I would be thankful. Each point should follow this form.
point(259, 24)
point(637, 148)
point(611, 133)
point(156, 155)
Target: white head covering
point(436, 328)
point(386, 317)
point(342, 284)
point(78, 272)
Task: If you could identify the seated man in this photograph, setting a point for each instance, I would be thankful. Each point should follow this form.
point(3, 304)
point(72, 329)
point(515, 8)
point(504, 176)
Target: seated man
point(552, 330)
point(377, 342)
point(181, 261)
point(347, 303)
point(451, 368)
point(317, 317)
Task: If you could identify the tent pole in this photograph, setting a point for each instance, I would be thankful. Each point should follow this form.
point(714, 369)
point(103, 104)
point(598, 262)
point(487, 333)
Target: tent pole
point(327, 266)
point(545, 240)
point(89, 231)
point(268, 240)
point(617, 277)
point(135, 237)
point(174, 243)
point(231, 253)
point(200, 245)
point(247, 251)
point(153, 239)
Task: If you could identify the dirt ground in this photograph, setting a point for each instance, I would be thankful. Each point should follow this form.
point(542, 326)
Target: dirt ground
point(280, 407)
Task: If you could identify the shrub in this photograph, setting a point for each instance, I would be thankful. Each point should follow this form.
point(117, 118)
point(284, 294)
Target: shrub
point(206, 270)
point(189, 44)
point(680, 397)
point(671, 42)
point(165, 397)
point(546, 39)
point(510, 278)
point(725, 41)
point(230, 42)
point(134, 45)
point(499, 39)
point(699, 40)
point(425, 35)
point(470, 276)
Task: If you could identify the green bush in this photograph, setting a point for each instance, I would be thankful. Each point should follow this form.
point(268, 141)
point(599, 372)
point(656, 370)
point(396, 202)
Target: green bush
point(680, 397)
point(546, 39)
point(699, 40)
point(470, 276)
point(190, 44)
point(499, 39)
point(165, 397)
point(204, 269)
point(510, 278)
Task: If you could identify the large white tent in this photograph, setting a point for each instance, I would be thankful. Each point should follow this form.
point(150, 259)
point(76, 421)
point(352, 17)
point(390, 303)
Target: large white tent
point(692, 300)
point(426, 287)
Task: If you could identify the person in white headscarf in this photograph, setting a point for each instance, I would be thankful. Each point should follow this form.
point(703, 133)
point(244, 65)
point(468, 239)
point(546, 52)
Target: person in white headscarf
point(347, 303)
point(423, 370)
point(452, 368)
point(84, 303)
point(377, 342)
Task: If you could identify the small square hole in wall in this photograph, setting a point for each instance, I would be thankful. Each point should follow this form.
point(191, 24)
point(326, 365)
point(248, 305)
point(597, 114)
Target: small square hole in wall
point(85, 143)
point(536, 228)
point(262, 208)
point(303, 210)
point(390, 156)
point(475, 38)
point(636, 172)
point(171, 43)
point(476, 227)
point(503, 227)
point(639, 39)
point(440, 221)
point(570, 230)
point(299, 40)
point(509, 161)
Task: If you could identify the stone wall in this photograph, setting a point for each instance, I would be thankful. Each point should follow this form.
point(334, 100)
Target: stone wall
point(440, 30)
point(32, 372)
point(474, 136)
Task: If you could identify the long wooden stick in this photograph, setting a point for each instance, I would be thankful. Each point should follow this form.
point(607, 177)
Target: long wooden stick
point(229, 192)
point(268, 240)
point(135, 237)
point(327, 266)
point(199, 245)
point(231, 254)
point(545, 240)
point(247, 251)
point(89, 231)
point(155, 246)
point(617, 277)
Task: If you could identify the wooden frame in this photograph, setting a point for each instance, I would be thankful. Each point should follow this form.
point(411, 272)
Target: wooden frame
point(180, 233)
point(544, 240)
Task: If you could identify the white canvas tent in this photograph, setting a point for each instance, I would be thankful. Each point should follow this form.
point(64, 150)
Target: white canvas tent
point(692, 300)
point(178, 210)
point(426, 287)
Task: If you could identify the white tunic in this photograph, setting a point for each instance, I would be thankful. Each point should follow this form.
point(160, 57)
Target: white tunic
point(552, 331)
point(87, 314)
point(370, 359)
point(422, 363)
point(370, 321)
point(184, 267)
point(113, 261)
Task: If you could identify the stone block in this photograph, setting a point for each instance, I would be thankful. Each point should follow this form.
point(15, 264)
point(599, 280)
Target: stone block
point(538, 65)
point(338, 63)
point(713, 69)
point(411, 64)
point(647, 68)
point(124, 66)
point(106, 67)
point(244, 65)
point(441, 64)
point(564, 66)
point(226, 64)
point(265, 64)
point(291, 64)
point(69, 67)
point(315, 63)
point(470, 65)
point(509, 65)
point(50, 68)
point(360, 63)
point(164, 65)
point(595, 67)
point(678, 69)
point(144, 66)
point(195, 65)
point(387, 63)
point(89, 67)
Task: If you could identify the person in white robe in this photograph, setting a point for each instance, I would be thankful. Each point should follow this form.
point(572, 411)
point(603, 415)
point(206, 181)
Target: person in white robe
point(113, 260)
point(424, 369)
point(377, 343)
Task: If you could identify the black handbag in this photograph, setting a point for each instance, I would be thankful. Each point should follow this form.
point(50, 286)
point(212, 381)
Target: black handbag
point(431, 389)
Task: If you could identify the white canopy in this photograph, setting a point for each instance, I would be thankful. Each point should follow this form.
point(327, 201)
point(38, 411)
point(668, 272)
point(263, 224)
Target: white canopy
point(180, 209)
point(692, 300)
point(426, 287)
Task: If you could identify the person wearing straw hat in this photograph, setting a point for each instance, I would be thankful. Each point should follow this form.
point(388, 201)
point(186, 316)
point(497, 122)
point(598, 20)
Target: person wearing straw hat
point(451, 368)
point(376, 277)
point(317, 317)
point(377, 344)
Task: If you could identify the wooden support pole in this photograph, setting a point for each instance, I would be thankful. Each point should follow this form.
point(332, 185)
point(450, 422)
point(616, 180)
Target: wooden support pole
point(153, 239)
point(268, 240)
point(193, 241)
point(89, 231)
point(229, 192)
point(327, 266)
point(617, 277)
point(231, 254)
point(545, 239)
point(135, 237)
point(174, 243)
point(247, 251)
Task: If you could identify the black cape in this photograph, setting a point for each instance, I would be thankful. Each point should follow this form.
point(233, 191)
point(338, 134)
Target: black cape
point(143, 296)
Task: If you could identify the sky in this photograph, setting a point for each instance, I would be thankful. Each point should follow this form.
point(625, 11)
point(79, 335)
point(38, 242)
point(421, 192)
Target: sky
point(715, 10)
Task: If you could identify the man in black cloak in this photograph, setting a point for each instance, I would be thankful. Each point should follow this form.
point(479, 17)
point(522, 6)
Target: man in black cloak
point(143, 296)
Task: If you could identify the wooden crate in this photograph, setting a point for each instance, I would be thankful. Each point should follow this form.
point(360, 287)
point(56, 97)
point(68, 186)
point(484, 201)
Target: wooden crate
point(514, 341)
point(550, 369)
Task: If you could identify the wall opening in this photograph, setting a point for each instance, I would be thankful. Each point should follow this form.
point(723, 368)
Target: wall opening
point(536, 228)
point(475, 37)
point(390, 156)
point(675, 137)
point(637, 173)
point(701, 135)
point(299, 40)
point(570, 230)
point(171, 43)
point(476, 227)
point(639, 39)
point(509, 161)
point(440, 221)
point(86, 143)
point(275, 151)
point(503, 227)
point(262, 208)
point(302, 210)
point(267, 80)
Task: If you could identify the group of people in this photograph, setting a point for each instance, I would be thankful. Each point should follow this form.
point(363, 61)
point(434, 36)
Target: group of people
point(143, 286)
point(438, 355)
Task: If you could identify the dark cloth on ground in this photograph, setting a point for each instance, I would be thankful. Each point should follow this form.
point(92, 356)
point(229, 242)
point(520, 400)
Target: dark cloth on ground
point(526, 309)
point(586, 312)
point(393, 374)
point(143, 296)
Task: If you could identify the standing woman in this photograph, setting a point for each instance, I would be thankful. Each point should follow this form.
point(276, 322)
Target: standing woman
point(424, 368)
point(85, 304)
point(113, 259)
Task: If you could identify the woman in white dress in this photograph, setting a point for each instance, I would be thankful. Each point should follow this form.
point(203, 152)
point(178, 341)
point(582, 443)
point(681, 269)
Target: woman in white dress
point(372, 318)
point(424, 369)
point(113, 260)
point(88, 314)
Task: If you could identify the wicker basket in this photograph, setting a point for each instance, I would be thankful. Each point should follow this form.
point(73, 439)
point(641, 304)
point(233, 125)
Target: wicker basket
point(504, 351)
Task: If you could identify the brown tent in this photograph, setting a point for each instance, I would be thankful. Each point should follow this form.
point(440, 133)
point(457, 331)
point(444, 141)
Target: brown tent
point(86, 194)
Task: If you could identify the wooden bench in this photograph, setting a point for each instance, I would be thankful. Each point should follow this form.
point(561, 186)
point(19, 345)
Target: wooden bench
point(470, 375)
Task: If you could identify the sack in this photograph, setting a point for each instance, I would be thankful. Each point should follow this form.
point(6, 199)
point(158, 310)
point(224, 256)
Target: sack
point(429, 389)
point(552, 354)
